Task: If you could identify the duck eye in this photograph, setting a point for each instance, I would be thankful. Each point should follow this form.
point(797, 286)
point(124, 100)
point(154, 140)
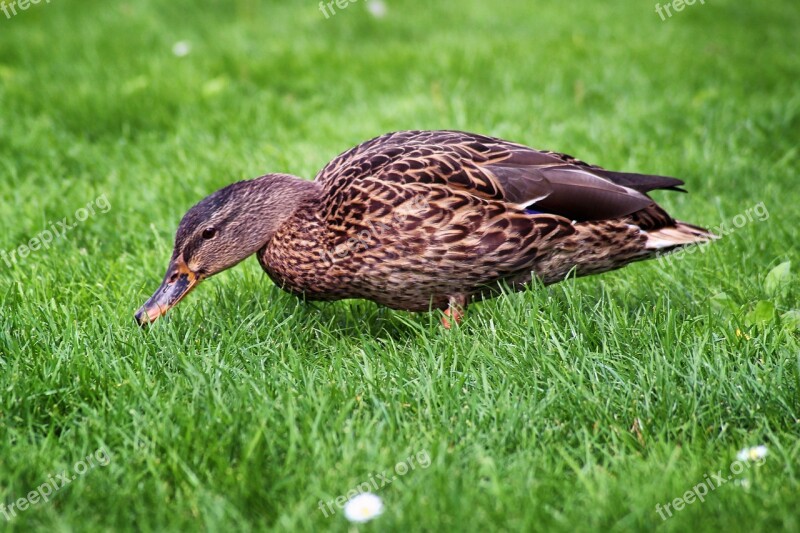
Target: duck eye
point(209, 233)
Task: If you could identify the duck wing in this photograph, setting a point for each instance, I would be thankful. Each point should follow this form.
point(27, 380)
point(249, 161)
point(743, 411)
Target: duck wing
point(532, 180)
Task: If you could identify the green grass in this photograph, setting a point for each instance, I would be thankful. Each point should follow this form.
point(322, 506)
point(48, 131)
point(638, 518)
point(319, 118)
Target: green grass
point(579, 406)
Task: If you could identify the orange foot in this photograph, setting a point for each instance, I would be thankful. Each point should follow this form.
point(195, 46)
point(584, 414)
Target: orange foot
point(455, 314)
point(455, 311)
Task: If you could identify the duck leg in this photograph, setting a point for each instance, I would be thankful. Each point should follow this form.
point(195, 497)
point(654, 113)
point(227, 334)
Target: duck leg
point(456, 305)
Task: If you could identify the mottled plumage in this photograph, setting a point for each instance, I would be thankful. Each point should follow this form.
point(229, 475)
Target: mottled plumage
point(421, 220)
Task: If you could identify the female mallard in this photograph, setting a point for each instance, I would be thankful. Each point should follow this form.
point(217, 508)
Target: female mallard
point(421, 220)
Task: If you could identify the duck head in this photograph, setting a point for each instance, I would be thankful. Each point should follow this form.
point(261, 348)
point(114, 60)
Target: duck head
point(223, 229)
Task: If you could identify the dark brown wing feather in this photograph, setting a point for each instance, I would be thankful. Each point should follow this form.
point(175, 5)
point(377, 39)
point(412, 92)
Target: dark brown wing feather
point(491, 168)
point(569, 191)
point(640, 182)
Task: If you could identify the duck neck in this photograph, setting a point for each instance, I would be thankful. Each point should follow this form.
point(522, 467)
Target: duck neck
point(290, 190)
point(267, 203)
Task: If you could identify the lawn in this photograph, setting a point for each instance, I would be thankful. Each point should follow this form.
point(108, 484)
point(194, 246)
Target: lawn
point(598, 404)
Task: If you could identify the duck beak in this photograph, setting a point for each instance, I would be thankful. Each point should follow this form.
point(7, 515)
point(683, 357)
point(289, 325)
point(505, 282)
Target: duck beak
point(178, 282)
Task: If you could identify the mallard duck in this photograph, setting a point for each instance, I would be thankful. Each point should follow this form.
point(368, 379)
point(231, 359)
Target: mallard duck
point(425, 220)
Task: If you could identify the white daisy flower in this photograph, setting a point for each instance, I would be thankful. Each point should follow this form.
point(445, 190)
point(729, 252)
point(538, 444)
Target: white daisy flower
point(752, 454)
point(363, 508)
point(181, 48)
point(377, 8)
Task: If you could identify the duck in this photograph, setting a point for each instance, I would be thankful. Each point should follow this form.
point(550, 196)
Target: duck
point(426, 221)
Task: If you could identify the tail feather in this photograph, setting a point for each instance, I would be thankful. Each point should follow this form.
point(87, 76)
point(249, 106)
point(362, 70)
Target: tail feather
point(677, 236)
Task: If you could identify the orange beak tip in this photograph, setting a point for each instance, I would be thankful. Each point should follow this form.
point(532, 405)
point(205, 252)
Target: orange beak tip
point(178, 282)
